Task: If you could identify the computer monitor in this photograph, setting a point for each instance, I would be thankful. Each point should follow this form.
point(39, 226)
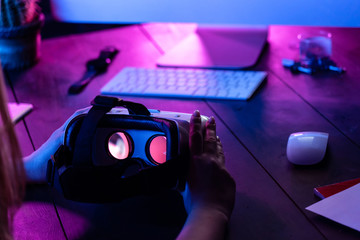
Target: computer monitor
point(238, 28)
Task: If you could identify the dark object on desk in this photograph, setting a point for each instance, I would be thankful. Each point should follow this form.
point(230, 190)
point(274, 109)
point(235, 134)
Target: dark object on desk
point(20, 44)
point(85, 169)
point(94, 67)
point(312, 66)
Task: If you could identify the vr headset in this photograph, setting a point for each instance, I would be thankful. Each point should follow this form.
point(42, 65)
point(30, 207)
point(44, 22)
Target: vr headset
point(111, 153)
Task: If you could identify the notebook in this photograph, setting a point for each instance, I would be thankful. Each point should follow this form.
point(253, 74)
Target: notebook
point(19, 110)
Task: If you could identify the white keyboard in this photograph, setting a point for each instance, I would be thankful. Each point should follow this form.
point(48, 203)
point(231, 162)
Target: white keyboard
point(185, 83)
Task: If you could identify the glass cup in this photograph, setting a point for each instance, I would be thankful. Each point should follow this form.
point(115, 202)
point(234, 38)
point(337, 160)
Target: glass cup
point(314, 46)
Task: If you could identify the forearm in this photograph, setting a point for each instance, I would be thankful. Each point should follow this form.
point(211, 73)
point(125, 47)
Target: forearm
point(36, 163)
point(35, 167)
point(207, 224)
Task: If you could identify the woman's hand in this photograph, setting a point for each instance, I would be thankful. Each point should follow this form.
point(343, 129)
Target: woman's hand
point(36, 163)
point(210, 193)
point(209, 183)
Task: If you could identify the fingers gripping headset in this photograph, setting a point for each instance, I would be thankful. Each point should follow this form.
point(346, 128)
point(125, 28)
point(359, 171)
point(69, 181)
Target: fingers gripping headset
point(111, 153)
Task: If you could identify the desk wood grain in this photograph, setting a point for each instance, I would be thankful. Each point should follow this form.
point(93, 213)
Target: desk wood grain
point(290, 103)
point(271, 193)
point(334, 96)
point(36, 218)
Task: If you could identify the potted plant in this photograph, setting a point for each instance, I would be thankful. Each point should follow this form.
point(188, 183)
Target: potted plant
point(20, 24)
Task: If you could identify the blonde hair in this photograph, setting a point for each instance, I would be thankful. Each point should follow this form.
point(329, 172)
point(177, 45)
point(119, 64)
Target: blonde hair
point(12, 173)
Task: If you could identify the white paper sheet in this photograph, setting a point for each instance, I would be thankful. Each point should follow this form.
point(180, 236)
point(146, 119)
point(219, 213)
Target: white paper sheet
point(19, 110)
point(343, 207)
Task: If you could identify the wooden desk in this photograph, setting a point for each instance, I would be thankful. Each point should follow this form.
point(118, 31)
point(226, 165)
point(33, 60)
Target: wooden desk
point(271, 193)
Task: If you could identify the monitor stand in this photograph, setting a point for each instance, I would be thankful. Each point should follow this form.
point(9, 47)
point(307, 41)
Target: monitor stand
point(218, 48)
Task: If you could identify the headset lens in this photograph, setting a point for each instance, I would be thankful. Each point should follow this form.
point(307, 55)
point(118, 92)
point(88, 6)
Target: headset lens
point(119, 145)
point(157, 149)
